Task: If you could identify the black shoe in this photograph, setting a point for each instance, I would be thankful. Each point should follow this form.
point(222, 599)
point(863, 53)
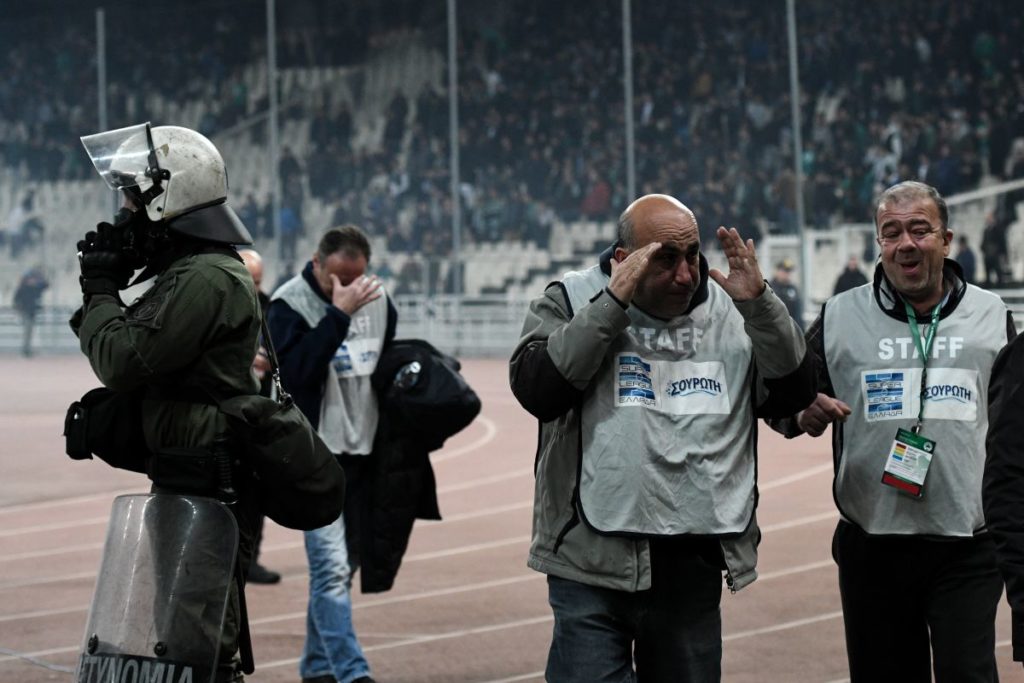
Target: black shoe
point(364, 679)
point(260, 574)
point(320, 679)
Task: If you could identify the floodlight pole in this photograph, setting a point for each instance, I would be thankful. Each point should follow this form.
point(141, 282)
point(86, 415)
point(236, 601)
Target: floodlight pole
point(794, 99)
point(101, 88)
point(453, 145)
point(101, 66)
point(272, 141)
point(627, 84)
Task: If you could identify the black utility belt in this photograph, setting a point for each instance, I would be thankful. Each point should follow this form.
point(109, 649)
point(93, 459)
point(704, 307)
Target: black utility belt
point(196, 470)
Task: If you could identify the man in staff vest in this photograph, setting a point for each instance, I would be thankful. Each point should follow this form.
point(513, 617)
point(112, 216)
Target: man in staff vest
point(648, 373)
point(904, 365)
point(329, 325)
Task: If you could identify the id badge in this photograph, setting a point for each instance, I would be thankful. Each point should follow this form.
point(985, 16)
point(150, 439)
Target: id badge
point(908, 462)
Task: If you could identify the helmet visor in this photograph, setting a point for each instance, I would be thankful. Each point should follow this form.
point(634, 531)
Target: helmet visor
point(120, 156)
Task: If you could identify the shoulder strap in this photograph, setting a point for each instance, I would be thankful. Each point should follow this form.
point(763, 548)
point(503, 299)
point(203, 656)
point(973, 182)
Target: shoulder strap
point(282, 396)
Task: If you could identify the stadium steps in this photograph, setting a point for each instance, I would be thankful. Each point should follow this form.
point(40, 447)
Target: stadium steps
point(522, 282)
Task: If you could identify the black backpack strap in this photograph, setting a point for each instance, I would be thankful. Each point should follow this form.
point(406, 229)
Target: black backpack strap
point(275, 367)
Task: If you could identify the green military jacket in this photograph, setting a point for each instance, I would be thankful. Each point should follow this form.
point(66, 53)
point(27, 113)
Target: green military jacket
point(193, 332)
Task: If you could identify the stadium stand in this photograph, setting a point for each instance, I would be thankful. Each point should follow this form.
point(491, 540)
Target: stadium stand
point(891, 91)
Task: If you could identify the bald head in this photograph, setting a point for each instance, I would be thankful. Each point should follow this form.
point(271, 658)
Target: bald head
point(650, 210)
point(254, 264)
point(669, 282)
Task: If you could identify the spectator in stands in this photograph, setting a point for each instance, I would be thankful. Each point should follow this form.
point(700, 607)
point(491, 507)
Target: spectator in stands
point(783, 286)
point(249, 214)
point(893, 519)
point(965, 257)
point(994, 248)
point(26, 301)
point(290, 227)
point(852, 276)
point(785, 197)
point(289, 168)
point(286, 274)
point(611, 353)
point(23, 224)
point(1014, 170)
point(411, 277)
point(596, 202)
point(257, 573)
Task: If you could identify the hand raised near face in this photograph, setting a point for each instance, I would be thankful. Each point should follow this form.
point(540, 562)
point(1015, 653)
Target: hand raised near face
point(353, 296)
point(627, 273)
point(744, 281)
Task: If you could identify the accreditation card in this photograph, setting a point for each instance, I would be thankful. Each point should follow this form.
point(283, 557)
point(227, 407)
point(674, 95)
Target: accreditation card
point(908, 462)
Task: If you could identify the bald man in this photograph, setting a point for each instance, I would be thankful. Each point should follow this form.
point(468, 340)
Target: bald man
point(261, 368)
point(647, 373)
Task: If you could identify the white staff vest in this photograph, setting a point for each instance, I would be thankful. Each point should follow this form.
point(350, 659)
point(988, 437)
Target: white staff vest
point(348, 408)
point(875, 368)
point(668, 429)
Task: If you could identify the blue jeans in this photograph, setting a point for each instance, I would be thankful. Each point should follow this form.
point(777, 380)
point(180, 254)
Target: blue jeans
point(331, 646)
point(673, 631)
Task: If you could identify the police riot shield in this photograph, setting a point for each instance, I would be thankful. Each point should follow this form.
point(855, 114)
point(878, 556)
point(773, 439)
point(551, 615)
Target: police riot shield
point(162, 591)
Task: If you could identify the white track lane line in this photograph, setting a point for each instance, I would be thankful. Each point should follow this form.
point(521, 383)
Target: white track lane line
point(59, 502)
point(798, 476)
point(484, 481)
point(800, 521)
point(490, 431)
point(54, 526)
point(522, 677)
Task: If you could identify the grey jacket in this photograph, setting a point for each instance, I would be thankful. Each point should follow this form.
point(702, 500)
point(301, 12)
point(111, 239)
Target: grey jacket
point(550, 370)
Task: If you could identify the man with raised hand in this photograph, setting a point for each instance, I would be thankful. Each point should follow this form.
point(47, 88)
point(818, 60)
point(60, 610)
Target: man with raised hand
point(647, 373)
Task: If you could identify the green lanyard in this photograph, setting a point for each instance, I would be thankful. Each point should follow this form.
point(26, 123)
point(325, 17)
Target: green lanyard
point(924, 349)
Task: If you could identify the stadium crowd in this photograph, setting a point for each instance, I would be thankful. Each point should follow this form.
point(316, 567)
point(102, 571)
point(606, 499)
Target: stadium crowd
point(918, 90)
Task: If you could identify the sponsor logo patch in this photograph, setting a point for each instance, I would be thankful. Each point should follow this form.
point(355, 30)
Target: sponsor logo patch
point(895, 394)
point(695, 385)
point(673, 387)
point(635, 385)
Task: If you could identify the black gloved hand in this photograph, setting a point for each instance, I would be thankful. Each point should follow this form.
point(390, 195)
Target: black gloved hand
point(105, 237)
point(106, 268)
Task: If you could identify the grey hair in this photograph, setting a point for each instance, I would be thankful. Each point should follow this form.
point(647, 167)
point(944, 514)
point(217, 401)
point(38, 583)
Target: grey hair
point(625, 234)
point(910, 190)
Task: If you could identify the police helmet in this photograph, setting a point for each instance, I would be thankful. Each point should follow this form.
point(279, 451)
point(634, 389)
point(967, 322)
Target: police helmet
point(175, 174)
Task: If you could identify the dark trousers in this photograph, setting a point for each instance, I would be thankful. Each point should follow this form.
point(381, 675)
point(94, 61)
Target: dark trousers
point(28, 322)
point(257, 541)
point(673, 631)
point(910, 603)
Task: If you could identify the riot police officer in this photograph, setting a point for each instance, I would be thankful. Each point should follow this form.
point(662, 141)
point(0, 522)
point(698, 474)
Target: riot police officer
point(190, 338)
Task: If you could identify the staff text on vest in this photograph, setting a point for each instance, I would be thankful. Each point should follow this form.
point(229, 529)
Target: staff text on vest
point(903, 348)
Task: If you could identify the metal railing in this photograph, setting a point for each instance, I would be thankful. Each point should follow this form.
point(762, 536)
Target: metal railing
point(467, 327)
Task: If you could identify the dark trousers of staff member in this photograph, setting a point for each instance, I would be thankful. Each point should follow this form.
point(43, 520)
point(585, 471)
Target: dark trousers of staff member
point(911, 602)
